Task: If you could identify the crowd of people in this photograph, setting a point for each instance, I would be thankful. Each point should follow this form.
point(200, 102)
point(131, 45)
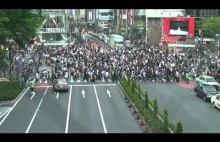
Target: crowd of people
point(151, 63)
point(83, 62)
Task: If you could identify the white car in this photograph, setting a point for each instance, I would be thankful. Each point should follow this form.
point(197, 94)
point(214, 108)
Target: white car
point(215, 100)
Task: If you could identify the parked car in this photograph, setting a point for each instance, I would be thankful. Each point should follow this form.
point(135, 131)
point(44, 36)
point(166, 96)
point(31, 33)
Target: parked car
point(205, 91)
point(215, 100)
point(60, 85)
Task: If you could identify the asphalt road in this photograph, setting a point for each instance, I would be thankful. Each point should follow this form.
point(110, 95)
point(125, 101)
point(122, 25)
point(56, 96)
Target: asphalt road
point(71, 112)
point(182, 105)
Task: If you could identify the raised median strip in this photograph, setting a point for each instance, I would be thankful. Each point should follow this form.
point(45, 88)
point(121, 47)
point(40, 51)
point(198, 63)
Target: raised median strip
point(154, 122)
point(10, 92)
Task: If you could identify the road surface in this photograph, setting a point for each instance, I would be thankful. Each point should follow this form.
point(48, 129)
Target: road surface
point(182, 105)
point(94, 111)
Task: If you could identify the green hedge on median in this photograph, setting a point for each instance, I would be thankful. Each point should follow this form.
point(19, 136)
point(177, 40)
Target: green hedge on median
point(153, 122)
point(10, 90)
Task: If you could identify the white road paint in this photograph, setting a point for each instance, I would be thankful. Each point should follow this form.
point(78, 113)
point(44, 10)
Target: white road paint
point(78, 80)
point(35, 113)
point(109, 94)
point(83, 93)
point(14, 106)
point(57, 95)
point(68, 111)
point(5, 112)
point(81, 85)
point(71, 79)
point(32, 96)
point(100, 110)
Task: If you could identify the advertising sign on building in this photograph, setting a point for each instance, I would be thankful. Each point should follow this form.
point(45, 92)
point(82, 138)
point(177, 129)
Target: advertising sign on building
point(55, 30)
point(179, 28)
point(91, 13)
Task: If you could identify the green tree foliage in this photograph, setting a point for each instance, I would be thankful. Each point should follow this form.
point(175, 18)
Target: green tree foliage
point(139, 88)
point(22, 24)
point(3, 63)
point(155, 105)
point(129, 81)
point(179, 127)
point(146, 101)
point(133, 84)
point(210, 26)
point(19, 25)
point(165, 113)
point(166, 124)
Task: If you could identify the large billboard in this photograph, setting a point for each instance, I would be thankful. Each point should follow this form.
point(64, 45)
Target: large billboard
point(91, 13)
point(181, 27)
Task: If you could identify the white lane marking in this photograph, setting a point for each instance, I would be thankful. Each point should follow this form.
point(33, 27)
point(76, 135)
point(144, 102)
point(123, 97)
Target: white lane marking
point(78, 80)
point(109, 94)
point(192, 93)
point(100, 111)
point(68, 111)
point(5, 112)
point(13, 106)
point(35, 113)
point(83, 93)
point(71, 79)
point(80, 85)
point(32, 96)
point(57, 95)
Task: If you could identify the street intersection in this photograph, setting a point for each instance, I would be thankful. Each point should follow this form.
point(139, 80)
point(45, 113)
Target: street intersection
point(86, 108)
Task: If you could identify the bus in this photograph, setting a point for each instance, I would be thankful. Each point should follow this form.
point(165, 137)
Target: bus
point(116, 41)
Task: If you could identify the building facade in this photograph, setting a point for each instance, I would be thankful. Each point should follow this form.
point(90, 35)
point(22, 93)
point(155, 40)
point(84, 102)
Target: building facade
point(55, 27)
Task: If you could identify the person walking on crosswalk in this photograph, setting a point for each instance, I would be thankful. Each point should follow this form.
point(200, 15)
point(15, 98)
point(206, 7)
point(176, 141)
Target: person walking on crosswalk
point(32, 86)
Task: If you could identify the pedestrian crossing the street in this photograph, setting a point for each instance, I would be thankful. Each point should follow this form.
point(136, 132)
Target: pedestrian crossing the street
point(71, 80)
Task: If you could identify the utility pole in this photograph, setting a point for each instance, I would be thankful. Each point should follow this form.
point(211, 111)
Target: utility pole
point(118, 20)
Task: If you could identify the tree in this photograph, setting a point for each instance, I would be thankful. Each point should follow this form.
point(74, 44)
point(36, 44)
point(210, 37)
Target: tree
point(139, 88)
point(22, 25)
point(155, 105)
point(166, 121)
point(179, 127)
point(4, 32)
point(133, 84)
point(3, 63)
point(165, 113)
point(166, 124)
point(210, 26)
point(129, 81)
point(146, 101)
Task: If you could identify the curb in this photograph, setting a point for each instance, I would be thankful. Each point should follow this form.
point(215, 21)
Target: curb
point(137, 115)
point(148, 104)
point(13, 101)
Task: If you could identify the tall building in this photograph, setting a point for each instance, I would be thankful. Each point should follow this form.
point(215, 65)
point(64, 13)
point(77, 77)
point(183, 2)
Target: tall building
point(203, 12)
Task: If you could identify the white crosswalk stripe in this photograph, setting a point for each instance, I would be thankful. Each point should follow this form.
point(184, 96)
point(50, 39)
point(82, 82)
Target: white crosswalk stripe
point(71, 80)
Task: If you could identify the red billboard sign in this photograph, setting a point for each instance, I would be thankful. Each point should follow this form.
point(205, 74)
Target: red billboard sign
point(128, 16)
point(178, 28)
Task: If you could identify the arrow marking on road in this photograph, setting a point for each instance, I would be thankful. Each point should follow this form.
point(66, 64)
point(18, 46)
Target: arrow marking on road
point(83, 93)
point(32, 96)
point(109, 94)
point(57, 96)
